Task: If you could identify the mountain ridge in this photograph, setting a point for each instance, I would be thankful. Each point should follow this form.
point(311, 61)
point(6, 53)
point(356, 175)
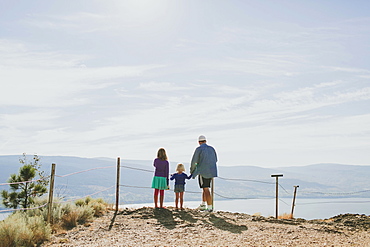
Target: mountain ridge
point(136, 175)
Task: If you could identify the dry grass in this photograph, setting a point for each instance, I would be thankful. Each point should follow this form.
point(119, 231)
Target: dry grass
point(29, 228)
point(21, 230)
point(69, 220)
point(285, 216)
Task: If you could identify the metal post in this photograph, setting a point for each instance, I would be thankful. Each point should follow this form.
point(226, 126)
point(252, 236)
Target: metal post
point(213, 193)
point(117, 184)
point(51, 191)
point(294, 196)
point(277, 194)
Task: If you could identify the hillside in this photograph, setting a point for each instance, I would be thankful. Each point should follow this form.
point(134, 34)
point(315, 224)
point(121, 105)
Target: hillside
point(136, 178)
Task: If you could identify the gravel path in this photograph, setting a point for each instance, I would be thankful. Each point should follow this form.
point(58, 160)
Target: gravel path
point(189, 227)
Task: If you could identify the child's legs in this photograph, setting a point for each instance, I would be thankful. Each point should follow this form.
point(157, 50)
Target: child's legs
point(156, 192)
point(177, 199)
point(181, 199)
point(161, 198)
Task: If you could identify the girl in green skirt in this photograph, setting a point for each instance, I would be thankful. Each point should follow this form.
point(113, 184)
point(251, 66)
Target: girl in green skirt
point(160, 179)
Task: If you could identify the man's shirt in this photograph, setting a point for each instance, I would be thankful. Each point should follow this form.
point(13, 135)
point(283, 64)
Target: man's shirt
point(204, 162)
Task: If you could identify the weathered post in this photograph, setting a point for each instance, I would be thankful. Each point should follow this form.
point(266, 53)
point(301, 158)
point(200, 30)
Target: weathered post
point(117, 182)
point(277, 194)
point(213, 193)
point(51, 191)
point(294, 196)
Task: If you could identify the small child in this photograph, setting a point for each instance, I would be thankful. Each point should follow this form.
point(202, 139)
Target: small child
point(180, 177)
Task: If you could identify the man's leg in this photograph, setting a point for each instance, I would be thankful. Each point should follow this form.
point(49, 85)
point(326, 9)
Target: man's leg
point(207, 196)
point(203, 205)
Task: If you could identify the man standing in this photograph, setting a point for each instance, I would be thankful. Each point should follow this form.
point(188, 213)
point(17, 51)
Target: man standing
point(203, 164)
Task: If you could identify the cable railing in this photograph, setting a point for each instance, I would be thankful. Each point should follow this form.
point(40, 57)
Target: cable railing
point(216, 194)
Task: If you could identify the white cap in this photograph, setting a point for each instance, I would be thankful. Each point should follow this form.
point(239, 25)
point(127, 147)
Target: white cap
point(202, 138)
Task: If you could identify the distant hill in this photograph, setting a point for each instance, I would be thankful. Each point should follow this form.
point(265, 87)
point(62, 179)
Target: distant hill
point(256, 181)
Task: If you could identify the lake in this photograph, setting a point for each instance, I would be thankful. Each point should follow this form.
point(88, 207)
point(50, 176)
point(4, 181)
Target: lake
point(305, 208)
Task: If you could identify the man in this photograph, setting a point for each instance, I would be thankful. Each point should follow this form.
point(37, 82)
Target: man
point(203, 164)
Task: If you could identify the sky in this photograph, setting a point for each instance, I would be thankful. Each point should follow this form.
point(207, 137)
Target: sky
point(269, 83)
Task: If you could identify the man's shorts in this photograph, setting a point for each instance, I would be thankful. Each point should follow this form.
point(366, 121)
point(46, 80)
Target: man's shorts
point(204, 182)
point(179, 188)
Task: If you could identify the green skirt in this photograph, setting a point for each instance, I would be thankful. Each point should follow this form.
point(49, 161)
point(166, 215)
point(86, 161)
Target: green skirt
point(159, 183)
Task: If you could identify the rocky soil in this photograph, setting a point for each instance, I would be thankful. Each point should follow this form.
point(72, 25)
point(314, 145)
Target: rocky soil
point(189, 227)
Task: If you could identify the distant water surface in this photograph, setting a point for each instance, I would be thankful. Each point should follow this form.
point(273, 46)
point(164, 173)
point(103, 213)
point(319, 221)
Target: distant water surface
point(305, 208)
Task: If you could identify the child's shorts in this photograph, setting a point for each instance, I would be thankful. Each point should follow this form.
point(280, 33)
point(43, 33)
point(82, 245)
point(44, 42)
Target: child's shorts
point(179, 188)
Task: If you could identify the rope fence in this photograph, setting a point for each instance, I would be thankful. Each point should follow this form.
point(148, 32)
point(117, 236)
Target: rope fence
point(75, 199)
point(22, 209)
point(70, 174)
point(48, 177)
point(51, 177)
point(25, 182)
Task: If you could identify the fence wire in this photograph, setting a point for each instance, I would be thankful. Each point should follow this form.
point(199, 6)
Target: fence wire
point(73, 173)
point(30, 181)
point(22, 209)
point(335, 193)
point(199, 192)
point(75, 199)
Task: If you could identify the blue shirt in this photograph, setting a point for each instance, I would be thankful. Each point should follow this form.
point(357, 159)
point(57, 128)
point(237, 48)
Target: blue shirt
point(180, 178)
point(204, 162)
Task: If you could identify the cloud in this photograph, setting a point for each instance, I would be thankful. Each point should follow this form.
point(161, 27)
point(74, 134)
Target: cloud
point(160, 86)
point(48, 79)
point(351, 70)
point(85, 22)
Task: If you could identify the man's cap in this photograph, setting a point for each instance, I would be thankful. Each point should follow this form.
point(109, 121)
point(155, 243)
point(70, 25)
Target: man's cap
point(202, 138)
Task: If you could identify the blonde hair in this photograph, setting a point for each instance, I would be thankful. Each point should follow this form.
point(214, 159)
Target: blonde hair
point(162, 154)
point(180, 168)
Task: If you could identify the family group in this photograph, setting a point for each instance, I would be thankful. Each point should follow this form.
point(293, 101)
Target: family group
point(203, 165)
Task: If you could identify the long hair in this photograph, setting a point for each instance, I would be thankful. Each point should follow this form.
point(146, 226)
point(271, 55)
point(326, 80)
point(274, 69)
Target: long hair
point(161, 154)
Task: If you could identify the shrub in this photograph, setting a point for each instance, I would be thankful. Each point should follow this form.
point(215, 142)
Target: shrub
point(85, 214)
point(80, 202)
point(100, 207)
point(40, 230)
point(21, 230)
point(88, 200)
point(29, 228)
point(69, 220)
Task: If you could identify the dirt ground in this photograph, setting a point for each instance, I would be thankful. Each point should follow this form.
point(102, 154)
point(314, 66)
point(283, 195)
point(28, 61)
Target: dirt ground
point(190, 227)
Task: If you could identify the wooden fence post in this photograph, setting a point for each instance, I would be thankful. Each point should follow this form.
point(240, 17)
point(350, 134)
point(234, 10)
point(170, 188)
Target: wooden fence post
point(51, 192)
point(213, 193)
point(117, 185)
point(277, 194)
point(294, 196)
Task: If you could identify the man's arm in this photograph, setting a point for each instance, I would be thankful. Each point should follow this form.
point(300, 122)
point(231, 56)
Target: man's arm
point(194, 161)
